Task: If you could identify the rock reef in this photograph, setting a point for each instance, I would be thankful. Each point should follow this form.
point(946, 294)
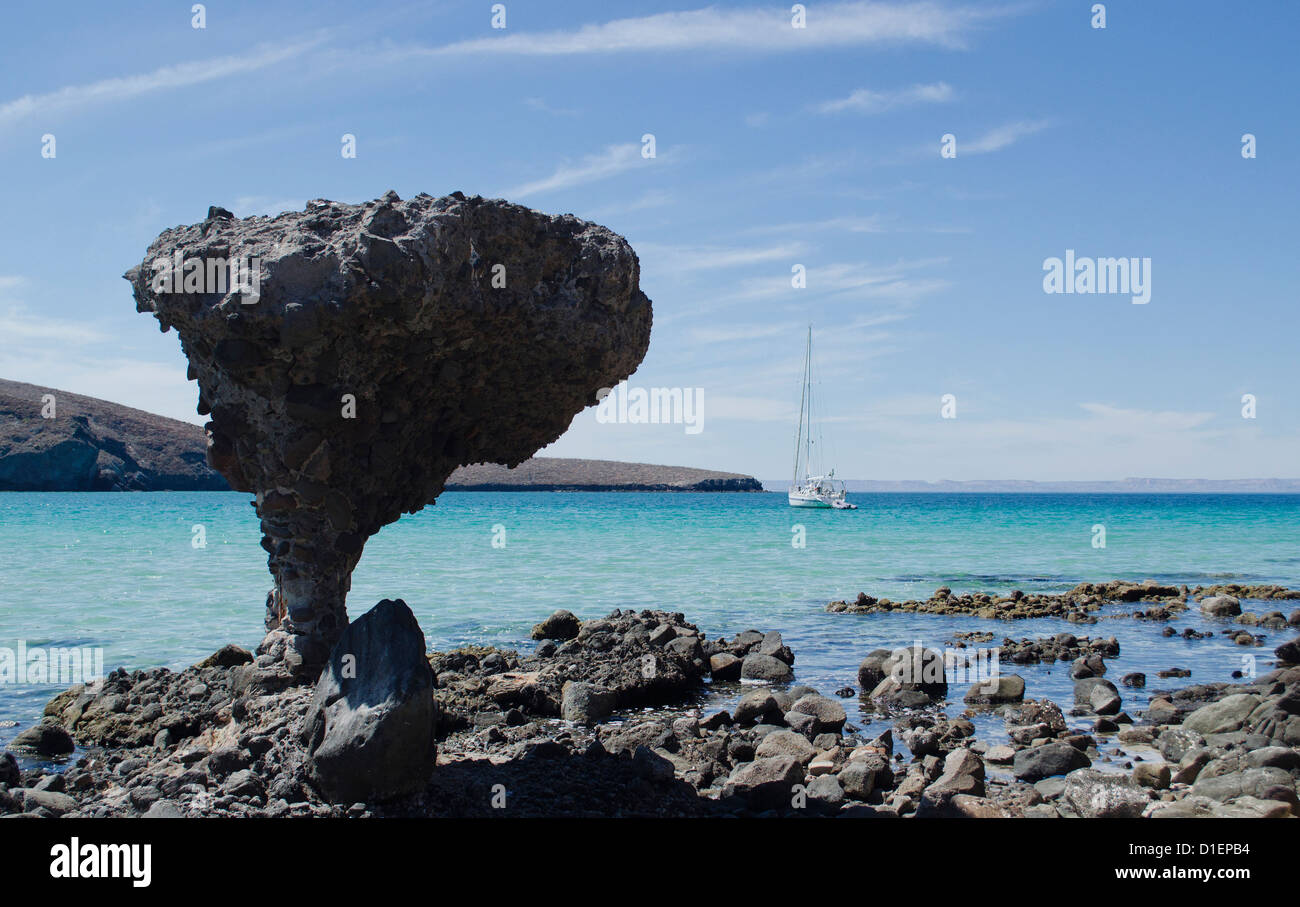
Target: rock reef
point(1076, 606)
point(386, 344)
point(604, 719)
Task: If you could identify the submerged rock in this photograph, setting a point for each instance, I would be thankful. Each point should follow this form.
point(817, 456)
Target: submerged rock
point(386, 344)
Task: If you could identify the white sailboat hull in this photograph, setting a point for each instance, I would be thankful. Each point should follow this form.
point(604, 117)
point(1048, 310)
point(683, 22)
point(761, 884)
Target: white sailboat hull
point(823, 492)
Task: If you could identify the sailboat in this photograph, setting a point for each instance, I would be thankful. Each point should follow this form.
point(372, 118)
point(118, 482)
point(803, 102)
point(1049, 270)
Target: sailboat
point(813, 490)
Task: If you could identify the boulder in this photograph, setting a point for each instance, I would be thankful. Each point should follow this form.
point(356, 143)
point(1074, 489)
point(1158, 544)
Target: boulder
point(755, 707)
point(1228, 714)
point(724, 666)
point(996, 690)
point(758, 666)
point(1220, 606)
point(585, 703)
point(963, 773)
point(374, 348)
point(562, 625)
point(45, 739)
point(765, 782)
point(1047, 760)
point(872, 670)
point(786, 744)
point(1289, 652)
point(827, 714)
point(369, 727)
point(1155, 775)
point(1097, 795)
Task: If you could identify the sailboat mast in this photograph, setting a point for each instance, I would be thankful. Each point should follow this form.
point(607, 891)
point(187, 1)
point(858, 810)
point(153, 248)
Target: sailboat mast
point(803, 405)
point(808, 464)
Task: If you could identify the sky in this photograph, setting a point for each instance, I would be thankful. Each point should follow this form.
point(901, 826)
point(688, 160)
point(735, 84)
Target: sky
point(774, 147)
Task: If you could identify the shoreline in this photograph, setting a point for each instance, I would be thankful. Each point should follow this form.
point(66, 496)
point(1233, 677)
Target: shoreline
point(578, 727)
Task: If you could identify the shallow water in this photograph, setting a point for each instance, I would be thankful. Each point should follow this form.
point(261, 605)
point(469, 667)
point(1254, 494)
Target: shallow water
point(119, 571)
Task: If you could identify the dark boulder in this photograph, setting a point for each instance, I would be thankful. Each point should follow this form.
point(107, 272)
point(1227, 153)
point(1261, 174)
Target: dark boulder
point(369, 730)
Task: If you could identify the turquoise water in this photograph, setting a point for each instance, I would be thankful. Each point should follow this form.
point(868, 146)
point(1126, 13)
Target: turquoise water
point(119, 571)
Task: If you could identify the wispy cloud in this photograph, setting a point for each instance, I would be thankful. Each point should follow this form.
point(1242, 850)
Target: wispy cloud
point(124, 88)
point(540, 105)
point(865, 100)
point(615, 159)
point(678, 259)
point(1136, 421)
point(752, 29)
point(1001, 137)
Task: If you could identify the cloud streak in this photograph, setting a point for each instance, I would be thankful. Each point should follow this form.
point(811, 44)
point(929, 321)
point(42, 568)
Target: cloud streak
point(753, 29)
point(615, 159)
point(864, 100)
point(124, 88)
point(1002, 137)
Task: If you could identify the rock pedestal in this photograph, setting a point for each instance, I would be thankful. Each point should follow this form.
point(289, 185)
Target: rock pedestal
point(366, 351)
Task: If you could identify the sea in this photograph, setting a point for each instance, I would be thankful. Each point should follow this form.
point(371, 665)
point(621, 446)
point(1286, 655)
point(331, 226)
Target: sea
point(166, 578)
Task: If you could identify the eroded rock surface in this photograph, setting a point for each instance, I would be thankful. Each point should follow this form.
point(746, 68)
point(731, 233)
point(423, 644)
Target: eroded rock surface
point(388, 343)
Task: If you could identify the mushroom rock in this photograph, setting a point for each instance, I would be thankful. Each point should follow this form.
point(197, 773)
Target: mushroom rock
point(387, 344)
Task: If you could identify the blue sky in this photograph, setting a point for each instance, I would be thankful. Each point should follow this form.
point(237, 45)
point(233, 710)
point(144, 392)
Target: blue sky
point(775, 147)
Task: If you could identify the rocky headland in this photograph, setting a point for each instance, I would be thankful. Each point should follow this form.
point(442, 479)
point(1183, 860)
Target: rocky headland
point(54, 440)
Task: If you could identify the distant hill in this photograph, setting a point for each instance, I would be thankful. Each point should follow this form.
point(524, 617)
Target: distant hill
point(94, 445)
point(558, 474)
point(1120, 486)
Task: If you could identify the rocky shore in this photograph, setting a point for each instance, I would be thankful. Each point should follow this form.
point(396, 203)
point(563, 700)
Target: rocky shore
point(606, 718)
point(1079, 604)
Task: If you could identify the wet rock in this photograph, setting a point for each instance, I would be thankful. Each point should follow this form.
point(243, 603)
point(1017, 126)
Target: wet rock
point(10, 774)
point(381, 352)
point(872, 669)
point(1220, 606)
point(757, 666)
point(724, 666)
point(1289, 652)
point(1098, 695)
point(369, 728)
point(997, 690)
point(1047, 760)
point(45, 739)
point(561, 625)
